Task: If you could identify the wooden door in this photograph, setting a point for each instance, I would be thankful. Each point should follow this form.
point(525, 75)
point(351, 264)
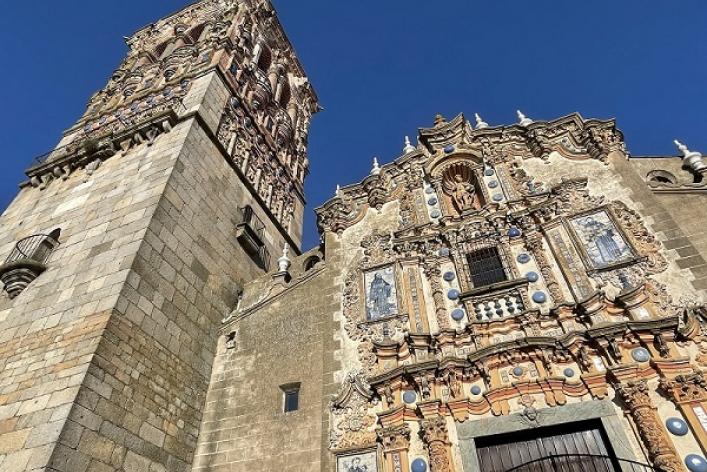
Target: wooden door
point(577, 447)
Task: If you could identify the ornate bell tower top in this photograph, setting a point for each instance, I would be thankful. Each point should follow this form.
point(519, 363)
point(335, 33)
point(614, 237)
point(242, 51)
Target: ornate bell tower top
point(264, 129)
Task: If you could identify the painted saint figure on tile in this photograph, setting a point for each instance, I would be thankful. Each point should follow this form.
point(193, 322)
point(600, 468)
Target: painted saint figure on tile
point(601, 239)
point(381, 296)
point(363, 462)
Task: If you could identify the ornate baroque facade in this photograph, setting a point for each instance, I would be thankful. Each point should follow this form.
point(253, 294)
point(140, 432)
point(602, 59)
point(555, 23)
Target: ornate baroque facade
point(496, 295)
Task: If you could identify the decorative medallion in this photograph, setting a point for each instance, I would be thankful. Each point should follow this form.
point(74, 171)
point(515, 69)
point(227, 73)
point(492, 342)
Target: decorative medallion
point(523, 258)
point(676, 426)
point(641, 354)
point(696, 463)
point(539, 297)
point(458, 314)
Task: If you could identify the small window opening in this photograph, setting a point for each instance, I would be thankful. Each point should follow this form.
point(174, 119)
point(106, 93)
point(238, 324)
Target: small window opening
point(231, 340)
point(486, 267)
point(291, 397)
point(698, 179)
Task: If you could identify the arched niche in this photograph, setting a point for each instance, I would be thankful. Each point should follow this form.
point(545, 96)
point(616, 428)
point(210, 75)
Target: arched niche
point(457, 180)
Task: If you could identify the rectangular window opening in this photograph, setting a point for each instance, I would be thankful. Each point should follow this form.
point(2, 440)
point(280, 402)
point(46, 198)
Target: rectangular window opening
point(291, 397)
point(486, 267)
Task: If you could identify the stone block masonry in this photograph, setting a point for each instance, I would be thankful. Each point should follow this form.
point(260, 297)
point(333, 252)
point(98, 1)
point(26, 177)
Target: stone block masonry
point(106, 357)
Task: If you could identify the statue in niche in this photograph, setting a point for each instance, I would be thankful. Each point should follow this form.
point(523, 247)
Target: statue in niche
point(462, 193)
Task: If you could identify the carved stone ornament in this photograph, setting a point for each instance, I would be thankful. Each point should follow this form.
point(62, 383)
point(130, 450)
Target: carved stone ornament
point(434, 433)
point(686, 388)
point(395, 438)
point(352, 424)
point(635, 394)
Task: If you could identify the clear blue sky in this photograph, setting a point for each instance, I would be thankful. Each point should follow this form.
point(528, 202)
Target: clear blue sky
point(384, 68)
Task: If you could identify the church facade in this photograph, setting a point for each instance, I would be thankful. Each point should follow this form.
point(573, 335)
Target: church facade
point(525, 297)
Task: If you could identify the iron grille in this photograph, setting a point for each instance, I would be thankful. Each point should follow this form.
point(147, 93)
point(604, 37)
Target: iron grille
point(37, 248)
point(486, 266)
point(247, 216)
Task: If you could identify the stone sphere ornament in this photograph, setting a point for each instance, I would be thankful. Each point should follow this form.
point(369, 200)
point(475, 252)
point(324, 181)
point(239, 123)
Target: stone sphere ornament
point(453, 294)
point(449, 149)
point(518, 371)
point(696, 463)
point(514, 232)
point(444, 252)
point(435, 214)
point(569, 372)
point(498, 197)
point(676, 426)
point(641, 354)
point(449, 276)
point(418, 465)
point(429, 190)
point(539, 297)
point(493, 184)
point(458, 314)
point(532, 277)
point(489, 172)
point(409, 396)
point(476, 390)
point(432, 201)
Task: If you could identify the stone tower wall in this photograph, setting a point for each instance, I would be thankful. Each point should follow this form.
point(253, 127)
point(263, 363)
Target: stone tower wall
point(290, 340)
point(107, 355)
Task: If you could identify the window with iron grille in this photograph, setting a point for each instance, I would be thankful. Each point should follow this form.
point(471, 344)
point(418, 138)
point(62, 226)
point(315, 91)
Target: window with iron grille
point(486, 266)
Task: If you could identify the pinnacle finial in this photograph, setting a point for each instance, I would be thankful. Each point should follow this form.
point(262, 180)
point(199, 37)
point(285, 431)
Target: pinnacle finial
point(685, 151)
point(692, 159)
point(439, 120)
point(376, 168)
point(408, 146)
point(338, 190)
point(522, 119)
point(284, 262)
point(480, 124)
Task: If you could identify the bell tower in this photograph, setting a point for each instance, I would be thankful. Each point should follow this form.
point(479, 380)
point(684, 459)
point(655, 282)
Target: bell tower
point(130, 241)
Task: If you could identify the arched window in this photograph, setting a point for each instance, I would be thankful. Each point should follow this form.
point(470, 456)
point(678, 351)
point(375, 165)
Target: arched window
point(311, 263)
point(661, 177)
point(265, 59)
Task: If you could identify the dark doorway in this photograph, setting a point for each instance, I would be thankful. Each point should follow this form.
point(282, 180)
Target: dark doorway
point(573, 447)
